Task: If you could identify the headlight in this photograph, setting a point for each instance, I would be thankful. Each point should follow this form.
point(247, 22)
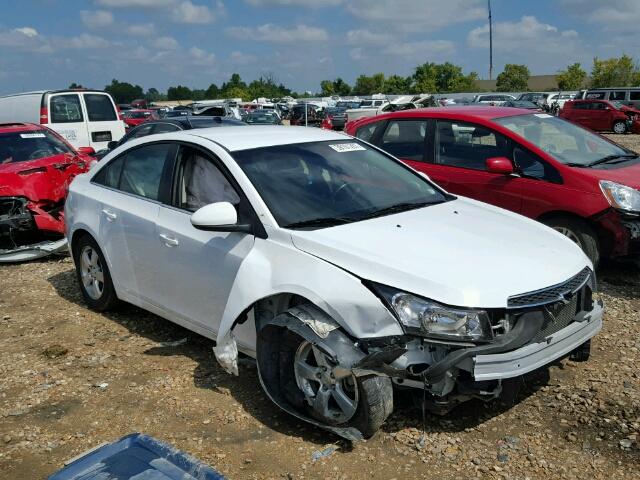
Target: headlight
point(430, 319)
point(620, 196)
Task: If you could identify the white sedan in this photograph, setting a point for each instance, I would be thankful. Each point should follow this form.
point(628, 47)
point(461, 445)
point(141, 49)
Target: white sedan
point(343, 271)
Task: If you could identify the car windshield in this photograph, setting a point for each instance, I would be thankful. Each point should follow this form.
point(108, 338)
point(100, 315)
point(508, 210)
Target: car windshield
point(563, 140)
point(265, 117)
point(333, 182)
point(24, 146)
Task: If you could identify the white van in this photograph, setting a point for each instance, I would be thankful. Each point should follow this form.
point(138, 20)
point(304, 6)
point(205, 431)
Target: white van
point(86, 118)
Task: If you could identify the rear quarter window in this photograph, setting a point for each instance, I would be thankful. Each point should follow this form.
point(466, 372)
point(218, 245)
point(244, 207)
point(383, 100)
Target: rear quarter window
point(99, 108)
point(65, 109)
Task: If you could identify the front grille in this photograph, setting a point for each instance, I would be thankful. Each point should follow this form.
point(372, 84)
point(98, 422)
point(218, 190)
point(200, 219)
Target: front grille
point(557, 318)
point(552, 294)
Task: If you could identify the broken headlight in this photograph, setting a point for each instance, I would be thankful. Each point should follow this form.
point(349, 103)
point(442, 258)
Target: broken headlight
point(431, 319)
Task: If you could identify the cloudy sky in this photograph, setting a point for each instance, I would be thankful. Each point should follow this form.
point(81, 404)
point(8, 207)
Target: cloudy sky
point(159, 43)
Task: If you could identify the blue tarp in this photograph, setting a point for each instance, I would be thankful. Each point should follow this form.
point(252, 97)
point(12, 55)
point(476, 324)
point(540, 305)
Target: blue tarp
point(136, 457)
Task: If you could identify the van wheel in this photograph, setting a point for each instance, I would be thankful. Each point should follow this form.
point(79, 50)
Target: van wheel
point(620, 127)
point(580, 233)
point(332, 395)
point(93, 275)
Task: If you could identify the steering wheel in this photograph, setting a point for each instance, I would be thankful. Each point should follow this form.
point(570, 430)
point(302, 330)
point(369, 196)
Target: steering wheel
point(344, 188)
point(39, 154)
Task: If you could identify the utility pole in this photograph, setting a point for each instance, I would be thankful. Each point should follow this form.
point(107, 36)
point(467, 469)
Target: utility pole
point(490, 43)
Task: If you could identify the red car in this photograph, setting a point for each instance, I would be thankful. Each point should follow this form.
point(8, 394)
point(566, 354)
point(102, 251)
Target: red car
point(538, 165)
point(602, 115)
point(36, 168)
point(133, 118)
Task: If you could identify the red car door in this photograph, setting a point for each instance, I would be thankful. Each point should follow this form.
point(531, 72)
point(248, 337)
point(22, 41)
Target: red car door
point(459, 159)
point(600, 116)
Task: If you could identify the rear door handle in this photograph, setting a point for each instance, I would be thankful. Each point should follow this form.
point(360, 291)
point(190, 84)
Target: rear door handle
point(110, 215)
point(169, 241)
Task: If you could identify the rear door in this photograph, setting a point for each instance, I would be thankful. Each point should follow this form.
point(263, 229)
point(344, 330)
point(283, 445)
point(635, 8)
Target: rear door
point(67, 117)
point(600, 116)
point(103, 124)
point(459, 159)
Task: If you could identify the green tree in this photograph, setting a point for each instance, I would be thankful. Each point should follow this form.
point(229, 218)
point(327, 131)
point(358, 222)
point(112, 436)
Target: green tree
point(368, 85)
point(153, 95)
point(237, 92)
point(75, 86)
point(212, 92)
point(335, 87)
point(395, 84)
point(445, 77)
point(234, 82)
point(179, 93)
point(615, 72)
point(198, 94)
point(571, 78)
point(326, 88)
point(514, 78)
point(123, 92)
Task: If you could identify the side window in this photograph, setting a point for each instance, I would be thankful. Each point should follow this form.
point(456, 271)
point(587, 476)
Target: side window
point(141, 131)
point(99, 107)
point(65, 109)
point(405, 139)
point(532, 166)
point(468, 146)
point(365, 133)
point(634, 95)
point(138, 171)
point(165, 128)
point(581, 106)
point(618, 95)
point(201, 182)
point(598, 106)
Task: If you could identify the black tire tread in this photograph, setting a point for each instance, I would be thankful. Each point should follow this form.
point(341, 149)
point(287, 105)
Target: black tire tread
point(109, 299)
point(587, 236)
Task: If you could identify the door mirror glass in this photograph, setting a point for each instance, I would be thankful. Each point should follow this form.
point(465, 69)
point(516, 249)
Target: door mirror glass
point(220, 216)
point(499, 165)
point(112, 144)
point(86, 150)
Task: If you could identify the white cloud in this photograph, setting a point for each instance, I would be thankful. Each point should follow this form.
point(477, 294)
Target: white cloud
point(296, 3)
point(427, 49)
point(368, 38)
point(187, 12)
point(135, 3)
point(27, 31)
point(96, 18)
point(165, 43)
point(239, 58)
point(277, 34)
point(417, 15)
point(82, 42)
point(140, 29)
point(624, 14)
point(180, 11)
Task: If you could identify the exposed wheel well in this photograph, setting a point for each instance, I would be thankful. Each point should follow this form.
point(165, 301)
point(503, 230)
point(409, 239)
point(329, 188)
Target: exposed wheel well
point(77, 235)
point(605, 239)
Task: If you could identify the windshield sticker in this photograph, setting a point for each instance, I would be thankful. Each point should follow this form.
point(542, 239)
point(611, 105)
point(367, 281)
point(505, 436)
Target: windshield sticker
point(347, 147)
point(542, 115)
point(33, 135)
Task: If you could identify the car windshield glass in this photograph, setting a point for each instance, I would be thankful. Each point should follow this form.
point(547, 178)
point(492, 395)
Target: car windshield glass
point(565, 141)
point(138, 115)
point(24, 146)
point(333, 182)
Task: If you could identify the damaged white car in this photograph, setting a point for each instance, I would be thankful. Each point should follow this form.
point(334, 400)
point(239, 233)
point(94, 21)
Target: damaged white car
point(341, 270)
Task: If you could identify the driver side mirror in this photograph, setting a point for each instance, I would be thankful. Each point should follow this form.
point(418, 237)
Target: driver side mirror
point(112, 144)
point(86, 150)
point(499, 165)
point(218, 217)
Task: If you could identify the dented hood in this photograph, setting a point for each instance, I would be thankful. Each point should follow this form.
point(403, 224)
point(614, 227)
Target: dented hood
point(43, 179)
point(462, 253)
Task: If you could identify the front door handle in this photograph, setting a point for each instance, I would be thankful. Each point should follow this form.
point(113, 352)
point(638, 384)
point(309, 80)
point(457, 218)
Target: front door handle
point(110, 215)
point(169, 241)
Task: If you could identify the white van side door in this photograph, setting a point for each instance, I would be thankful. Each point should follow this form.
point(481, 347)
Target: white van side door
point(67, 117)
point(103, 123)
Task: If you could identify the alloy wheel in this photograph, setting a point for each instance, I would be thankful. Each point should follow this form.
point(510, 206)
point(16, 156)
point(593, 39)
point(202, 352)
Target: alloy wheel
point(570, 234)
point(91, 272)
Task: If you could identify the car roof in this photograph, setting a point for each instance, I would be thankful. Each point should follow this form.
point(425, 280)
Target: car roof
point(484, 112)
point(20, 127)
point(235, 139)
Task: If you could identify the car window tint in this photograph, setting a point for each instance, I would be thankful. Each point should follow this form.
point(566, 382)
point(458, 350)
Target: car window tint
point(467, 145)
point(532, 166)
point(634, 96)
point(596, 95)
point(142, 170)
point(142, 131)
point(580, 106)
point(598, 106)
point(33, 145)
point(65, 109)
point(109, 175)
point(99, 108)
point(365, 133)
point(405, 138)
point(618, 95)
point(165, 128)
point(202, 182)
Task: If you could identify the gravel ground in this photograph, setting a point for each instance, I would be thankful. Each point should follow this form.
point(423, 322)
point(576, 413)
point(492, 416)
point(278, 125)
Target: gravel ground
point(71, 379)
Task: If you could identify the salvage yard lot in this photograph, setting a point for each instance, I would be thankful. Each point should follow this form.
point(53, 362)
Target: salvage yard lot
point(71, 379)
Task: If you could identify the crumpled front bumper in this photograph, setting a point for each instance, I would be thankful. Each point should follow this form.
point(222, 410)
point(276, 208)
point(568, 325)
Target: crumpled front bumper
point(31, 252)
point(535, 355)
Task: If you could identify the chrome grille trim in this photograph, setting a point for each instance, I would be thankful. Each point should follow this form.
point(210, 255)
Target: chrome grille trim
point(551, 294)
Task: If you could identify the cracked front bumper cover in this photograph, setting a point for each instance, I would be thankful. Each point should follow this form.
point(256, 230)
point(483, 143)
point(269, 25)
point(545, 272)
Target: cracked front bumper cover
point(31, 252)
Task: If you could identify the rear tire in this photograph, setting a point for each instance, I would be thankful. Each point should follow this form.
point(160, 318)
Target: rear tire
point(581, 233)
point(620, 127)
point(93, 275)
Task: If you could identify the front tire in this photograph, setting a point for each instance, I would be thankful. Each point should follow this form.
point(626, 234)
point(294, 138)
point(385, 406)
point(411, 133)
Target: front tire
point(580, 233)
point(338, 398)
point(93, 275)
point(620, 127)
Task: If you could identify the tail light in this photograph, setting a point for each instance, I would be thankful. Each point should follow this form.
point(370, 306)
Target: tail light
point(120, 116)
point(44, 115)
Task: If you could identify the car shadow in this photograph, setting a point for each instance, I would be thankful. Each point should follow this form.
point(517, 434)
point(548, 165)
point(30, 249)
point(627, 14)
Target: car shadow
point(246, 389)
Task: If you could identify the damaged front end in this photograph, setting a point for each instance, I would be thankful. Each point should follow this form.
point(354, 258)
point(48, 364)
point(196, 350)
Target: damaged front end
point(535, 330)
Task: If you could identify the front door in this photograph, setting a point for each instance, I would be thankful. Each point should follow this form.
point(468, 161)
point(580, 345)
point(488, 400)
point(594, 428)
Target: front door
point(197, 269)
